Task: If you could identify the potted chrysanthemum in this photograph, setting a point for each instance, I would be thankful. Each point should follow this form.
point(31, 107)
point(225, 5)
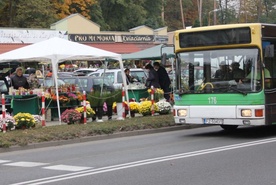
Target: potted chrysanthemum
point(70, 116)
point(134, 108)
point(145, 108)
point(89, 111)
point(24, 120)
point(158, 94)
point(9, 121)
point(164, 107)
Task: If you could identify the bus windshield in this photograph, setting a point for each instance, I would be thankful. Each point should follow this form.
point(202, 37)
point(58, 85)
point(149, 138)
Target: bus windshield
point(219, 71)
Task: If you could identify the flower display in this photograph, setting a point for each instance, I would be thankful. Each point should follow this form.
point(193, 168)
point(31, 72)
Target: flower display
point(64, 99)
point(79, 96)
point(158, 93)
point(24, 120)
point(164, 107)
point(9, 120)
point(72, 96)
point(62, 66)
point(70, 116)
point(90, 112)
point(133, 106)
point(145, 108)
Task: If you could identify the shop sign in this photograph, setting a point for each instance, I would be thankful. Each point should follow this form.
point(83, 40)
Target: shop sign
point(91, 38)
point(29, 36)
point(161, 38)
point(138, 38)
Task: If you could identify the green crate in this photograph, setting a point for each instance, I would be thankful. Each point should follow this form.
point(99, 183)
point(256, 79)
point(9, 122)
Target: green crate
point(25, 104)
point(137, 94)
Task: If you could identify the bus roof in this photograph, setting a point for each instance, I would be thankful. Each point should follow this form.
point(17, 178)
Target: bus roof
point(222, 26)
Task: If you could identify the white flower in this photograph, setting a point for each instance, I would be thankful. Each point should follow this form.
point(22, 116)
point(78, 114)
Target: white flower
point(164, 106)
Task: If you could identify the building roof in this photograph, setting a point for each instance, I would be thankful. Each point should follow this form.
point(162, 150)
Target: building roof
point(120, 48)
point(73, 15)
point(139, 27)
point(8, 47)
point(159, 29)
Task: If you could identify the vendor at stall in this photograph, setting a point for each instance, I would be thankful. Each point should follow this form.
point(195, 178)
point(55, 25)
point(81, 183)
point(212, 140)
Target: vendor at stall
point(129, 78)
point(18, 80)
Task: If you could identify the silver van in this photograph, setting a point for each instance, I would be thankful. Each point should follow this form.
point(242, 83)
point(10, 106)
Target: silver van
point(115, 75)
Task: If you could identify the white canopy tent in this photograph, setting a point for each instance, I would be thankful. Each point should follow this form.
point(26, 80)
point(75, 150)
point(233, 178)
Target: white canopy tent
point(56, 50)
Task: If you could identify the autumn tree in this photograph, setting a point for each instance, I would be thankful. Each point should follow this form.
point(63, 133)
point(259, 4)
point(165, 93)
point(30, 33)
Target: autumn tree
point(65, 8)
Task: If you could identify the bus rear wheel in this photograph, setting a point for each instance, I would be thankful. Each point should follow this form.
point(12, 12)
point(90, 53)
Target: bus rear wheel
point(229, 127)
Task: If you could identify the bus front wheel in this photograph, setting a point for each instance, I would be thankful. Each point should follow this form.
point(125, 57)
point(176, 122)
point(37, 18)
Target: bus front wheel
point(229, 127)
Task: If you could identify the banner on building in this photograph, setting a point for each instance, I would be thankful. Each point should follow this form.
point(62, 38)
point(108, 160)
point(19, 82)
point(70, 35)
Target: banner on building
point(25, 36)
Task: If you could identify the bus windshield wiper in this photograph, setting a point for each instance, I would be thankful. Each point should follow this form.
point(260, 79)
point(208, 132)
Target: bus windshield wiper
point(237, 90)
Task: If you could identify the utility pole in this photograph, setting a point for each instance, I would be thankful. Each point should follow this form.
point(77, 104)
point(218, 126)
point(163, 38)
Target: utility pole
point(215, 12)
point(199, 7)
point(163, 12)
point(182, 15)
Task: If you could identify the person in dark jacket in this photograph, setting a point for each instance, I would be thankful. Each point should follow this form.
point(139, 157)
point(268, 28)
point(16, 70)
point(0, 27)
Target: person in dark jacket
point(18, 80)
point(129, 78)
point(153, 79)
point(164, 79)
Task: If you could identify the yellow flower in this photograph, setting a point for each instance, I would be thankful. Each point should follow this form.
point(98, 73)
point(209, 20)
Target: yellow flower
point(113, 105)
point(89, 110)
point(133, 106)
point(145, 107)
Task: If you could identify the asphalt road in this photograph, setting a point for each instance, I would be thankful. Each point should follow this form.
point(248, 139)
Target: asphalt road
point(200, 156)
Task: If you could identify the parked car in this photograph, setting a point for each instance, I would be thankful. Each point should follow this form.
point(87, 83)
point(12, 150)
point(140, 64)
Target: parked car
point(48, 82)
point(65, 74)
point(115, 75)
point(84, 71)
point(89, 83)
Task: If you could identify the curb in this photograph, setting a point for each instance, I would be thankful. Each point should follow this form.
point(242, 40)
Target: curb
point(96, 138)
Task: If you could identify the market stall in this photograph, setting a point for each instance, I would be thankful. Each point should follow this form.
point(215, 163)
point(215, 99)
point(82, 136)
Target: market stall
point(56, 50)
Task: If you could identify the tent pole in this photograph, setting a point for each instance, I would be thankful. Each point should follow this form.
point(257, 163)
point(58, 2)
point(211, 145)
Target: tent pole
point(124, 79)
point(54, 69)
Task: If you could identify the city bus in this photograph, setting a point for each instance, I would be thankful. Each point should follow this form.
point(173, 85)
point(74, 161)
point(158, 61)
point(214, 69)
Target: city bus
point(219, 96)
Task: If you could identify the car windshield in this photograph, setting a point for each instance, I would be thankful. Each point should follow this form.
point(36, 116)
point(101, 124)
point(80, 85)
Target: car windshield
point(139, 75)
point(219, 71)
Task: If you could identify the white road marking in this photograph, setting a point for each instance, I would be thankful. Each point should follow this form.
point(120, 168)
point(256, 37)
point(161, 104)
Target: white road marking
point(25, 164)
point(143, 162)
point(4, 161)
point(67, 168)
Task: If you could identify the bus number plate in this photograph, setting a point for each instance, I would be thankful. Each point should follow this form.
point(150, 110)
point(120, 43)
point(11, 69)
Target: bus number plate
point(213, 121)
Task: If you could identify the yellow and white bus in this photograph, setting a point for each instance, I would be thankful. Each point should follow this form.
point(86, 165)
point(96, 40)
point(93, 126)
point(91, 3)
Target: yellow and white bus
point(211, 92)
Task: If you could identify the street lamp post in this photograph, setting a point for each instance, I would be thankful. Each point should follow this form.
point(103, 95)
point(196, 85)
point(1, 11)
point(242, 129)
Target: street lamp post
point(209, 15)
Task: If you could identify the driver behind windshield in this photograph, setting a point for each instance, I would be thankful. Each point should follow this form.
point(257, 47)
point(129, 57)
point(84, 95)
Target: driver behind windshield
point(237, 73)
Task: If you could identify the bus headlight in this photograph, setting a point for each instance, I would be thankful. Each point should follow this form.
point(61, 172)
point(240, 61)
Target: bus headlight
point(246, 113)
point(182, 112)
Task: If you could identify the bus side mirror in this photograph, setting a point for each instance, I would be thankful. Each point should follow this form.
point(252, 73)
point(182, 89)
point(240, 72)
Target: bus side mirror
point(269, 51)
point(164, 59)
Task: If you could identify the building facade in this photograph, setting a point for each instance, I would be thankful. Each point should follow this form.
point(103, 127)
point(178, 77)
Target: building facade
point(77, 28)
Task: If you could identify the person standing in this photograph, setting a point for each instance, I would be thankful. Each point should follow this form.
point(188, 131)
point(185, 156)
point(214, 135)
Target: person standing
point(153, 79)
point(164, 79)
point(18, 80)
